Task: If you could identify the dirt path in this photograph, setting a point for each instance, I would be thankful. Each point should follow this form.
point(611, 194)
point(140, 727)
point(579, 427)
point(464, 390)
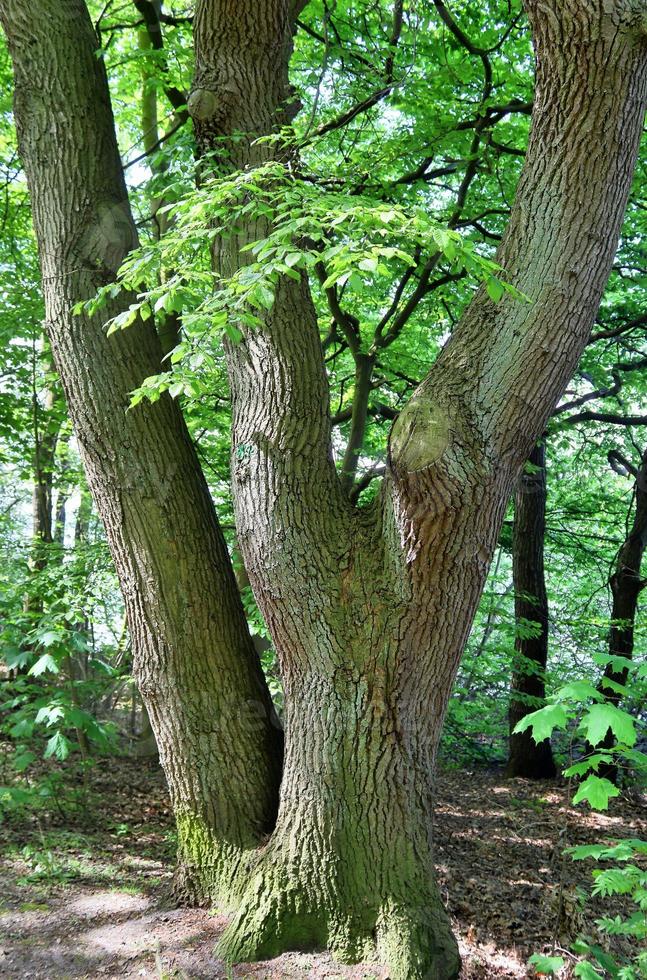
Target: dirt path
point(81, 900)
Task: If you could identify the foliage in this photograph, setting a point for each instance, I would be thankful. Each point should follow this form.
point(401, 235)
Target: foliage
point(356, 244)
point(581, 706)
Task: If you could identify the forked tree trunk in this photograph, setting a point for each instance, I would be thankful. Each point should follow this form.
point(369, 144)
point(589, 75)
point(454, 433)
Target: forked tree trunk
point(193, 658)
point(369, 609)
point(528, 687)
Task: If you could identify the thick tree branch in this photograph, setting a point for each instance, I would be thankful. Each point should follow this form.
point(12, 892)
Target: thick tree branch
point(610, 418)
point(610, 333)
point(512, 360)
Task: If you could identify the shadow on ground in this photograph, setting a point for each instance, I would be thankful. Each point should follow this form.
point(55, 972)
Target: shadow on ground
point(83, 899)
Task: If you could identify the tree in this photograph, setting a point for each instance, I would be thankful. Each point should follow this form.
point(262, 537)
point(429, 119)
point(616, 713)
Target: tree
point(194, 660)
point(368, 607)
point(528, 689)
point(626, 584)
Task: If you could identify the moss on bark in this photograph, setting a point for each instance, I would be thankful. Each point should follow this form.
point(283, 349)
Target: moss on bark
point(208, 869)
point(411, 935)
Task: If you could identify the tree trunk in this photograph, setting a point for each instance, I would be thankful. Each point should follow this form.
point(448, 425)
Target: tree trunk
point(528, 690)
point(369, 609)
point(46, 426)
point(626, 585)
point(193, 658)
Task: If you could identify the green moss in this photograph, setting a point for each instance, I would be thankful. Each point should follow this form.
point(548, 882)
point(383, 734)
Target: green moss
point(417, 942)
point(207, 868)
point(280, 912)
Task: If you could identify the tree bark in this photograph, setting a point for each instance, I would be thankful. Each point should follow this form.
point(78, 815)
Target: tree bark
point(193, 657)
point(369, 609)
point(528, 689)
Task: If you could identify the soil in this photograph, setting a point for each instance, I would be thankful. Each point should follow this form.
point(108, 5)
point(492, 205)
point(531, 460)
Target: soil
point(85, 885)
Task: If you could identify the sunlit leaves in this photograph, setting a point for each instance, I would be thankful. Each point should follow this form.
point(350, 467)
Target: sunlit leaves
point(602, 717)
point(59, 746)
point(543, 721)
point(596, 791)
point(44, 663)
point(280, 226)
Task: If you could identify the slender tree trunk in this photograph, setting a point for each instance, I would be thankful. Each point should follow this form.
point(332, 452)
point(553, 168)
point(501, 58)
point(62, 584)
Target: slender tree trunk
point(528, 690)
point(626, 585)
point(369, 609)
point(193, 658)
point(46, 426)
point(62, 500)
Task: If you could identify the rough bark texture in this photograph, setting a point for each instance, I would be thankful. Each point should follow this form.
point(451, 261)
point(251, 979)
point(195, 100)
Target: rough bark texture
point(528, 690)
point(193, 657)
point(369, 609)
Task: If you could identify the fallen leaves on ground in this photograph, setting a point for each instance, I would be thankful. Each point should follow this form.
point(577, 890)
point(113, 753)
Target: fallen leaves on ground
point(87, 893)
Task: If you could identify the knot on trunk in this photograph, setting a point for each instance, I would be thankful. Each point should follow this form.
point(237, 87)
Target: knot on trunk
point(107, 234)
point(211, 105)
point(419, 437)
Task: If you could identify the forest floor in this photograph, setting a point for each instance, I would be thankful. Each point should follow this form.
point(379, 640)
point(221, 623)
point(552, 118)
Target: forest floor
point(87, 893)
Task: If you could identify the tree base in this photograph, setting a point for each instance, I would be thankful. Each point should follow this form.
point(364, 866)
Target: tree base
point(530, 761)
point(279, 913)
point(207, 871)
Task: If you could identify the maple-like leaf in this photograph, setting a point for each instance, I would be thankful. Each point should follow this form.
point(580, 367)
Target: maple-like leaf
point(602, 717)
point(597, 792)
point(543, 721)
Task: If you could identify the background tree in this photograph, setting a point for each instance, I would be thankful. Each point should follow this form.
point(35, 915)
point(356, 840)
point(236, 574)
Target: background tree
point(528, 689)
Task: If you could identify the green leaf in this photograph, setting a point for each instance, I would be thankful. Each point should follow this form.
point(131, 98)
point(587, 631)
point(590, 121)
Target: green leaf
point(590, 762)
point(233, 332)
point(546, 965)
point(578, 691)
point(495, 289)
point(265, 296)
point(22, 729)
point(49, 638)
point(368, 264)
point(587, 971)
point(44, 663)
point(602, 717)
point(59, 746)
point(49, 713)
point(610, 685)
point(597, 792)
point(22, 761)
point(543, 721)
point(617, 662)
point(584, 851)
